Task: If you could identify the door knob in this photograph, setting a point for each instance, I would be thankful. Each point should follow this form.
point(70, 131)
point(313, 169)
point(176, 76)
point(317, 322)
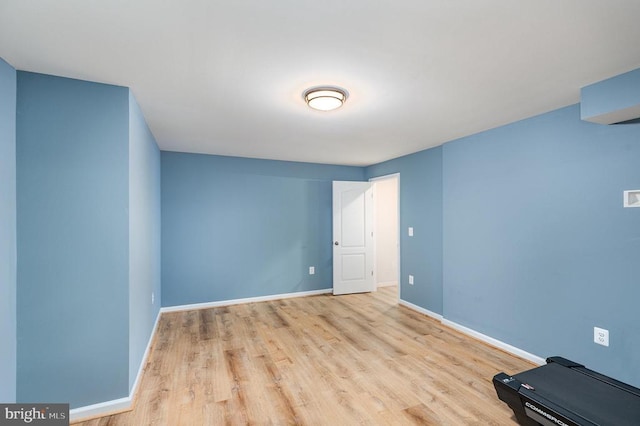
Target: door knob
point(336, 243)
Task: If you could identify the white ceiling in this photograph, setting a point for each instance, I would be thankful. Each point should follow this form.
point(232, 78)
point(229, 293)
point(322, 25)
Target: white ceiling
point(226, 77)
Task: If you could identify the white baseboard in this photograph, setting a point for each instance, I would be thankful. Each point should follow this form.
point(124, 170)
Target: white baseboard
point(245, 300)
point(117, 405)
point(421, 310)
point(101, 409)
point(145, 357)
point(495, 342)
point(470, 332)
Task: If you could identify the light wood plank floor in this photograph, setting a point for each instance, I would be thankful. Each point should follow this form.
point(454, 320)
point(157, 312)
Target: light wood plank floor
point(321, 360)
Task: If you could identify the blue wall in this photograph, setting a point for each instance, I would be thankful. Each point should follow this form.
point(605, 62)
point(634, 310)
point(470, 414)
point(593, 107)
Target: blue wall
point(537, 246)
point(420, 208)
point(617, 96)
point(235, 228)
point(7, 232)
point(73, 223)
point(144, 236)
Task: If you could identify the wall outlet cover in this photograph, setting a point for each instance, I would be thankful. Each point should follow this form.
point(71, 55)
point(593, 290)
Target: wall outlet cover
point(601, 336)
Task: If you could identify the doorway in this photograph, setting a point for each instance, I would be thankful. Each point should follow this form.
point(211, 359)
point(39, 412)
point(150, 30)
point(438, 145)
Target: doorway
point(387, 232)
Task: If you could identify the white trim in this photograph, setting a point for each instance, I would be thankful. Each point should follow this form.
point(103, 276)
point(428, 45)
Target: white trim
point(421, 310)
point(100, 409)
point(395, 176)
point(387, 284)
point(143, 362)
point(495, 342)
point(383, 177)
point(475, 334)
point(245, 300)
point(117, 405)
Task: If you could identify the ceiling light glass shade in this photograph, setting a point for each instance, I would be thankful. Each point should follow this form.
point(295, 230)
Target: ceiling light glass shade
point(325, 98)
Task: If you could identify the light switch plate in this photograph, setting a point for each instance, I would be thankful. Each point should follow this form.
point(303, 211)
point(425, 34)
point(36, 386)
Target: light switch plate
point(411, 231)
point(632, 198)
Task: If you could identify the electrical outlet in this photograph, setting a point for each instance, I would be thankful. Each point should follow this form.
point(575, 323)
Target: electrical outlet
point(411, 279)
point(410, 231)
point(312, 270)
point(601, 336)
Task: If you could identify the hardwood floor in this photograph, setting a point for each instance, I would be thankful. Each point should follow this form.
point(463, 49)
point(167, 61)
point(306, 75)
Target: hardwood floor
point(320, 360)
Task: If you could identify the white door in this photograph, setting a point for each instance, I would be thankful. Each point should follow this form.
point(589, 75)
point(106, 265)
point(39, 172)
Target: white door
point(352, 237)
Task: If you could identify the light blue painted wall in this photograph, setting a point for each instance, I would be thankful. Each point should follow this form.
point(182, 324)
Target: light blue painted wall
point(420, 208)
point(7, 232)
point(537, 246)
point(144, 236)
point(73, 257)
point(613, 94)
point(236, 228)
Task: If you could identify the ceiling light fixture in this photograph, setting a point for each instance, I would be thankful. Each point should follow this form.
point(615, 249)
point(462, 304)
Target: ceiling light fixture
point(325, 98)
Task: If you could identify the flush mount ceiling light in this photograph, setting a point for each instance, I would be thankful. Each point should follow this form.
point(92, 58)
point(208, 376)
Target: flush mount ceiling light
point(325, 98)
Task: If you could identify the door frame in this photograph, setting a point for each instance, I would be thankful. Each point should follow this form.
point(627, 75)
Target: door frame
point(375, 221)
